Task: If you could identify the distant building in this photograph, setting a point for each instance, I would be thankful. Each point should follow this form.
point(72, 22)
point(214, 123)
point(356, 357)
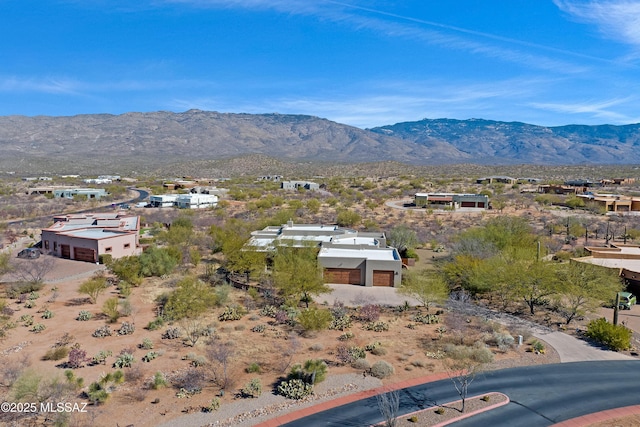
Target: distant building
point(614, 202)
point(163, 200)
point(494, 179)
point(84, 237)
point(196, 201)
point(89, 193)
point(451, 200)
point(97, 181)
point(274, 178)
point(294, 185)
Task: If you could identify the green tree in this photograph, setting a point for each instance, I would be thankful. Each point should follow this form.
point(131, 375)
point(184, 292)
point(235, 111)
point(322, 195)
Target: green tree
point(403, 239)
point(127, 269)
point(297, 274)
point(157, 262)
point(585, 288)
point(231, 240)
point(348, 218)
point(313, 205)
point(536, 283)
point(427, 286)
point(93, 287)
point(191, 298)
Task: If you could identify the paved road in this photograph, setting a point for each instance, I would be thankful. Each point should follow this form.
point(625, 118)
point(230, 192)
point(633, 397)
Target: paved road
point(540, 396)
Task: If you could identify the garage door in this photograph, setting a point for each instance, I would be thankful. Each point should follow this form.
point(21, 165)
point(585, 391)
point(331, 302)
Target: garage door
point(65, 251)
point(84, 254)
point(345, 276)
point(383, 277)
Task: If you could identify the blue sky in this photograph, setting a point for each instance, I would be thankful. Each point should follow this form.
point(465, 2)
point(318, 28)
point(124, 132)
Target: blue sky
point(362, 63)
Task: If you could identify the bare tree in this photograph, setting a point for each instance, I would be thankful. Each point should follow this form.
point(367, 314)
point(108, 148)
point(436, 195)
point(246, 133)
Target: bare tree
point(287, 352)
point(32, 271)
point(221, 355)
point(388, 404)
point(463, 364)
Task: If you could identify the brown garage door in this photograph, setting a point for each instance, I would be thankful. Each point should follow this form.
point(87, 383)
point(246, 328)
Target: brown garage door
point(345, 276)
point(383, 277)
point(65, 251)
point(84, 254)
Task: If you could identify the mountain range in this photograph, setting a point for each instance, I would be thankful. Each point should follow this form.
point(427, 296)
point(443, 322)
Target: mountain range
point(144, 141)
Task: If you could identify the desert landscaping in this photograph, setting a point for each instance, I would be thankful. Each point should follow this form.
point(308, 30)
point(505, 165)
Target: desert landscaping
point(225, 365)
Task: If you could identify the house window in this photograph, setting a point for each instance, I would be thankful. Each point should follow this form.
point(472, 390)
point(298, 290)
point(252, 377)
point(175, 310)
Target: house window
point(127, 245)
point(55, 246)
point(46, 244)
point(107, 249)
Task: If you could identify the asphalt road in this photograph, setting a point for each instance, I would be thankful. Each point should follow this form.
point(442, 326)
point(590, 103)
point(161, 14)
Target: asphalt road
point(540, 396)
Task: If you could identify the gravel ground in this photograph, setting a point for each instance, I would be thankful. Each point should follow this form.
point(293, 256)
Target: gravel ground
point(249, 412)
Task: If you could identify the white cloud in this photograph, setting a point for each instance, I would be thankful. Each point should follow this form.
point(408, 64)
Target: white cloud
point(601, 109)
point(616, 19)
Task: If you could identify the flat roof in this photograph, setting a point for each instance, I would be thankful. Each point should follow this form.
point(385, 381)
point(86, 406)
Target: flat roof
point(94, 234)
point(383, 254)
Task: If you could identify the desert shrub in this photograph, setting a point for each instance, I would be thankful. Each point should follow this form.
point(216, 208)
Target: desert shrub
point(294, 389)
point(33, 295)
point(47, 314)
point(376, 326)
point(282, 317)
point(147, 344)
point(26, 319)
point(339, 310)
point(616, 337)
point(101, 332)
point(379, 351)
point(313, 371)
point(313, 319)
point(124, 360)
point(171, 334)
point(126, 329)
point(77, 358)
point(190, 380)
point(252, 389)
point(84, 315)
point(361, 364)
point(340, 323)
point(195, 359)
point(97, 394)
point(253, 368)
point(316, 347)
point(155, 324)
point(240, 327)
point(37, 328)
point(22, 288)
point(382, 369)
point(101, 357)
point(346, 336)
point(213, 406)
point(503, 341)
point(110, 308)
point(269, 311)
point(427, 319)
point(537, 347)
point(150, 356)
point(29, 304)
point(369, 313)
point(159, 381)
point(229, 314)
point(56, 353)
point(258, 328)
point(347, 355)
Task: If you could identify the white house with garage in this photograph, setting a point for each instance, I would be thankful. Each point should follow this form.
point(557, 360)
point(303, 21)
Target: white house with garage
point(196, 201)
point(346, 256)
point(163, 200)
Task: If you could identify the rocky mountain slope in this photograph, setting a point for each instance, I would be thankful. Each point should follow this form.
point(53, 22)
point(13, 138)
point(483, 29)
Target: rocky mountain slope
point(104, 143)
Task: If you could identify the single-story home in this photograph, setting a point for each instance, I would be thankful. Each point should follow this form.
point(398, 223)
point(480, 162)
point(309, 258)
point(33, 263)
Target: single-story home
point(196, 201)
point(70, 193)
point(625, 259)
point(85, 237)
point(451, 200)
point(163, 200)
point(294, 185)
point(346, 256)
